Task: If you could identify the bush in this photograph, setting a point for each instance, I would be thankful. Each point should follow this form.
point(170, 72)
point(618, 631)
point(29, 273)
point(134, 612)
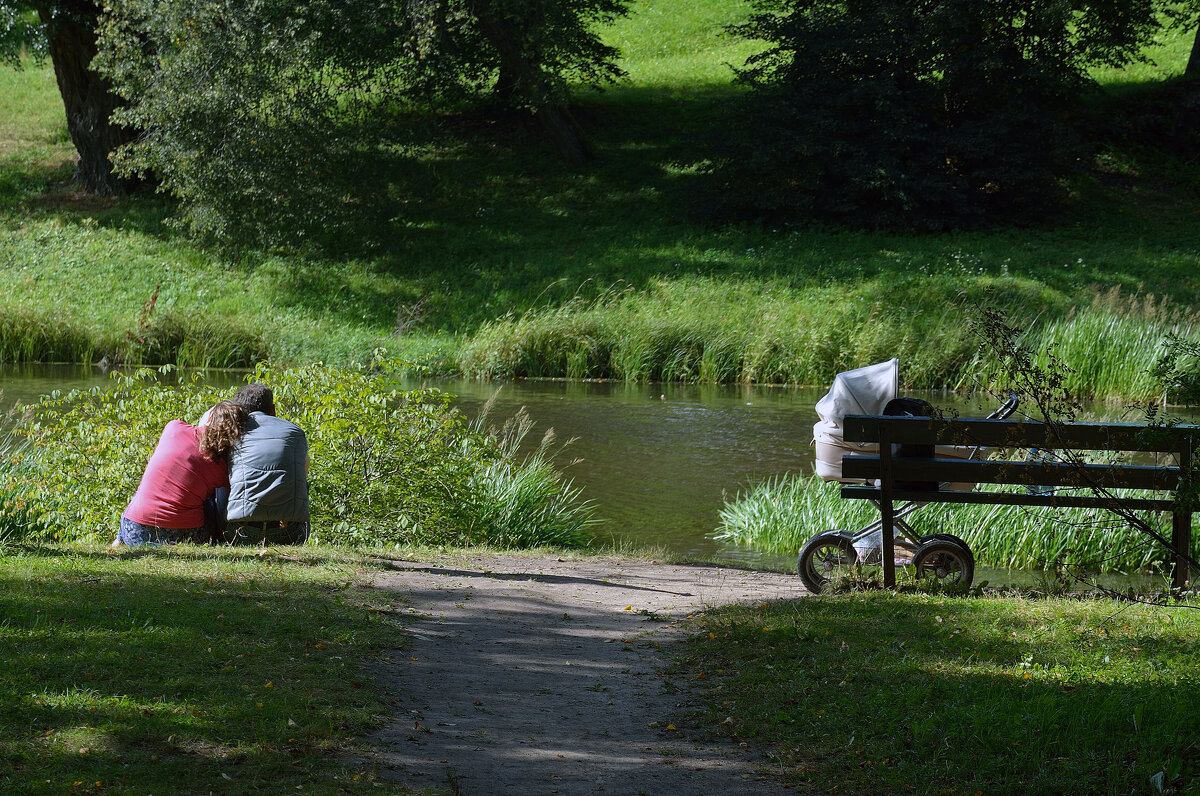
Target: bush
point(388, 467)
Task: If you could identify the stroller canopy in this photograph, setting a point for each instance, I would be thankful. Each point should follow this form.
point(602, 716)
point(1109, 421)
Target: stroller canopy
point(862, 391)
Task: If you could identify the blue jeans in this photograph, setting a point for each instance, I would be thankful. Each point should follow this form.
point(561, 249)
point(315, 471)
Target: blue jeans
point(134, 533)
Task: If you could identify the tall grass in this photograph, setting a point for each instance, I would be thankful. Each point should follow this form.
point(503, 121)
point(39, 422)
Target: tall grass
point(703, 330)
point(32, 335)
point(521, 497)
point(19, 519)
point(1109, 345)
point(780, 515)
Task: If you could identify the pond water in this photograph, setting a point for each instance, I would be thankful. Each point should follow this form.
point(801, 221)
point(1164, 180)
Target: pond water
point(658, 460)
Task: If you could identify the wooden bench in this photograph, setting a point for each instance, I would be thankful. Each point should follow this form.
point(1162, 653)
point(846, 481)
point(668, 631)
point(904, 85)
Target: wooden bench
point(1022, 435)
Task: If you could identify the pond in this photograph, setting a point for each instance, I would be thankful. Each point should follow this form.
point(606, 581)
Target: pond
point(658, 460)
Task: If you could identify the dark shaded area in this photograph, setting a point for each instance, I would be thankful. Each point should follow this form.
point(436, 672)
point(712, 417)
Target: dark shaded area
point(531, 675)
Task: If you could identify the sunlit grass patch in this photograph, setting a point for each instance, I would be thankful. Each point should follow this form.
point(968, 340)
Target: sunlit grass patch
point(885, 693)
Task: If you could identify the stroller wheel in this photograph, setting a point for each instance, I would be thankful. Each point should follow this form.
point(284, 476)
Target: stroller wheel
point(827, 556)
point(944, 562)
point(949, 537)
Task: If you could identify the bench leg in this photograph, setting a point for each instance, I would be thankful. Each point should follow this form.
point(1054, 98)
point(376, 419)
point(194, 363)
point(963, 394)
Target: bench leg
point(887, 515)
point(1181, 543)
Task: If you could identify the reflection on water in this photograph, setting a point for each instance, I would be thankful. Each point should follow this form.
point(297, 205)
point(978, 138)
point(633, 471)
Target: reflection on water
point(659, 461)
point(26, 383)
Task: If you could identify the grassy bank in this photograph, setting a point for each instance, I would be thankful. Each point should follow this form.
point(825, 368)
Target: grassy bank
point(883, 693)
point(502, 260)
point(202, 669)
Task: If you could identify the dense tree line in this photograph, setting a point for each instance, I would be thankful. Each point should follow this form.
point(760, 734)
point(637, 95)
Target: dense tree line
point(259, 115)
point(925, 113)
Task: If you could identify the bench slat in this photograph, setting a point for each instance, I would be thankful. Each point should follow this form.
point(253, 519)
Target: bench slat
point(1009, 472)
point(1018, 433)
point(1006, 499)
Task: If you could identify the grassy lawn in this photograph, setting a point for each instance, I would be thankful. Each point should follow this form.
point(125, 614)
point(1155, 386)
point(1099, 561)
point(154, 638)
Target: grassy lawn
point(189, 669)
point(492, 227)
point(868, 693)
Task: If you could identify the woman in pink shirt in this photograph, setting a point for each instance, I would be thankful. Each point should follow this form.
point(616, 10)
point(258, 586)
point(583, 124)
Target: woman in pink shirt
point(187, 465)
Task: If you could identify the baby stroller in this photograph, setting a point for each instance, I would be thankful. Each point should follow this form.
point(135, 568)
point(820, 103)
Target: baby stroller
point(944, 557)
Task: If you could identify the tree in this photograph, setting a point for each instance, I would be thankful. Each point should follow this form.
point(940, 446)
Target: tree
point(934, 113)
point(262, 116)
point(66, 30)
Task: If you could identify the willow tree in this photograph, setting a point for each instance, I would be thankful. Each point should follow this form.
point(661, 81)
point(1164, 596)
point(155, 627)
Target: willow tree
point(253, 113)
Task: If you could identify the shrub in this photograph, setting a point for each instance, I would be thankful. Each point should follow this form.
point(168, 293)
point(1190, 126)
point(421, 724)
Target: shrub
point(388, 466)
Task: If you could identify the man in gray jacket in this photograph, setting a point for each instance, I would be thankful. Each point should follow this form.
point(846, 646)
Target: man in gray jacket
point(268, 477)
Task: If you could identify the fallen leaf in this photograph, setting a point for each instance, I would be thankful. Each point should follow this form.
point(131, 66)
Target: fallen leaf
point(627, 608)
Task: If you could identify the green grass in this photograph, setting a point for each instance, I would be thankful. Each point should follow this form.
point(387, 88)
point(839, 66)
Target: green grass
point(209, 670)
point(869, 693)
point(502, 259)
point(780, 515)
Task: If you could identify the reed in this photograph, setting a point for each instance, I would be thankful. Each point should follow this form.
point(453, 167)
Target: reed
point(43, 335)
point(781, 514)
point(714, 331)
point(521, 499)
point(19, 519)
point(1108, 345)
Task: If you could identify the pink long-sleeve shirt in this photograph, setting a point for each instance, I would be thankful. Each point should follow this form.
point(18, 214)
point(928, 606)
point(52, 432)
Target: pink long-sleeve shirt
point(177, 480)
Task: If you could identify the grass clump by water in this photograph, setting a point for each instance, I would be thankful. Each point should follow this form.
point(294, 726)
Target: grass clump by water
point(388, 467)
point(751, 331)
point(781, 514)
point(198, 670)
point(522, 499)
point(885, 693)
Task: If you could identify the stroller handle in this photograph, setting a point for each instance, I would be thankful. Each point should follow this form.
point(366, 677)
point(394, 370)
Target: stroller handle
point(1006, 409)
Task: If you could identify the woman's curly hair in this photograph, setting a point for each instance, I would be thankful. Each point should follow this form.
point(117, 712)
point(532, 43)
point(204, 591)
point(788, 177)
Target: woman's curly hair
point(225, 425)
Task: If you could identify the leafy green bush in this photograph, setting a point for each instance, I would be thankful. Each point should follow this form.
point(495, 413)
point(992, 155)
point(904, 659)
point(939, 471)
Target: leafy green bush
point(388, 467)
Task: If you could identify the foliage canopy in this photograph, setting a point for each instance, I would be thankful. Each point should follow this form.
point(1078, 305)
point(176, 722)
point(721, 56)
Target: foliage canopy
point(934, 114)
point(268, 119)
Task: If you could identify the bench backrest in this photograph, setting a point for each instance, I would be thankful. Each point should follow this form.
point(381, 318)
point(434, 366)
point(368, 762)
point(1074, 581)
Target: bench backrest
point(1021, 434)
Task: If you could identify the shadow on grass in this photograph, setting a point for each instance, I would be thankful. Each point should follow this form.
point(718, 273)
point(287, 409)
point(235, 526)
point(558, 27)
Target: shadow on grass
point(937, 695)
point(477, 218)
point(143, 671)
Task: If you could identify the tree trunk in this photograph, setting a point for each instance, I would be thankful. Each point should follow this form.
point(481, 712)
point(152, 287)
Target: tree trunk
point(1193, 64)
point(522, 83)
point(87, 97)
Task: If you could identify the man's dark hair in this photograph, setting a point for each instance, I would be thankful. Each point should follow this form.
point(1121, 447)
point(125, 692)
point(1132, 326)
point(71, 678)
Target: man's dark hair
point(256, 398)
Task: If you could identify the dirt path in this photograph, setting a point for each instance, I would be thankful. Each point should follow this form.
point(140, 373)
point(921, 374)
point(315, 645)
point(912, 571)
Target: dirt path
point(541, 676)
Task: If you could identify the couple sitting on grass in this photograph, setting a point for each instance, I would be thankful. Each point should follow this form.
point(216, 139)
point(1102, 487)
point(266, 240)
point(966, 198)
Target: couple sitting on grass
point(239, 476)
